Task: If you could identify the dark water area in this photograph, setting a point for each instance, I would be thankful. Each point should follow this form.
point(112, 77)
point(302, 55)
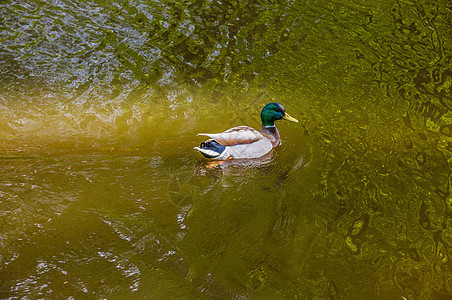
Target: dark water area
point(103, 196)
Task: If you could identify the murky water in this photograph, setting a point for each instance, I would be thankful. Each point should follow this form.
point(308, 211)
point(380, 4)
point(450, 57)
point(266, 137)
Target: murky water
point(103, 196)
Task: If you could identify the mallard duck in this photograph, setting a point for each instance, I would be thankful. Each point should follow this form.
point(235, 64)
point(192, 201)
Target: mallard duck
point(245, 141)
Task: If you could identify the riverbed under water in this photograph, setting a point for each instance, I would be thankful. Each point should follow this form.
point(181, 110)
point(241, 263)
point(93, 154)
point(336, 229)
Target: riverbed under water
point(103, 196)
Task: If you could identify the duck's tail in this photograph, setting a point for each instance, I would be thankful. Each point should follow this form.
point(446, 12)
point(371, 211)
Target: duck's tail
point(212, 149)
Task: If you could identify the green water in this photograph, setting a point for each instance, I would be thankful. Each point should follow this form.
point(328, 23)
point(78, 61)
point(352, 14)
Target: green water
point(103, 196)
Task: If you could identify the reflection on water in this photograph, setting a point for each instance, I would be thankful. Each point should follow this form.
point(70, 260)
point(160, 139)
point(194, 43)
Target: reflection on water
point(102, 195)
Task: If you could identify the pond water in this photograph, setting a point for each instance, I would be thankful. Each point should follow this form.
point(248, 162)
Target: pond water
point(103, 196)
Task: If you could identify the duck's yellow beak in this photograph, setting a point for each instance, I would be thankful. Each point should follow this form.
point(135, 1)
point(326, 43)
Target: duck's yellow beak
point(289, 118)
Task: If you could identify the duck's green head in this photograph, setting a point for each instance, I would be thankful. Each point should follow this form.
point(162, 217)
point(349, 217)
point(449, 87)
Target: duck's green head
point(272, 112)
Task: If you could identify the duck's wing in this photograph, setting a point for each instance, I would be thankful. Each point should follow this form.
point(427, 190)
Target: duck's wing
point(237, 135)
point(252, 150)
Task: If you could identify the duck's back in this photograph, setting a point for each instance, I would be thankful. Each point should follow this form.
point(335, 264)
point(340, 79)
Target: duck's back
point(236, 135)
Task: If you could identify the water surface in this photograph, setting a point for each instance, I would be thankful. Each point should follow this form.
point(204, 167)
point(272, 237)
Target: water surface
point(103, 196)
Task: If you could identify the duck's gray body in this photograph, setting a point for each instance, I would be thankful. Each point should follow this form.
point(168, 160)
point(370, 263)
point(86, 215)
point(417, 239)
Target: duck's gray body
point(239, 142)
